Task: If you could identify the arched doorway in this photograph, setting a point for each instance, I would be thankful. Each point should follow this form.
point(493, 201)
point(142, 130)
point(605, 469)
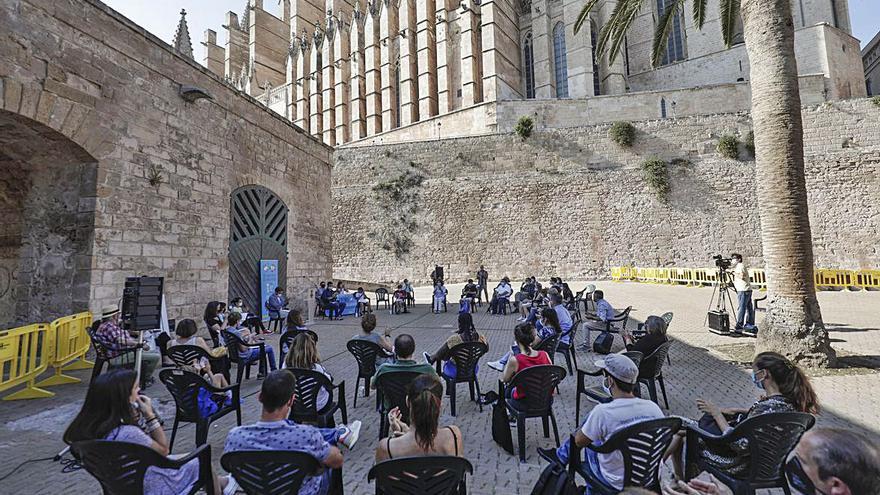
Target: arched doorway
point(259, 232)
point(47, 195)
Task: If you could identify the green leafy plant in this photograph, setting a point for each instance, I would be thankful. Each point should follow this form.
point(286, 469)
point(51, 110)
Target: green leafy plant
point(524, 127)
point(398, 198)
point(728, 146)
point(622, 133)
point(750, 143)
point(876, 100)
point(154, 176)
point(657, 176)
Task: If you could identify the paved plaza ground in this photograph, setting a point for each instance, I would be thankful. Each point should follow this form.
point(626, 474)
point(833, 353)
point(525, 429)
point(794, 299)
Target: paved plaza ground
point(703, 365)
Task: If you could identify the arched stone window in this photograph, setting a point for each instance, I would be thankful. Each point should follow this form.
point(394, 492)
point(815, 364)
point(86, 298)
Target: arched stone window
point(529, 65)
point(662, 108)
point(560, 60)
point(675, 44)
point(594, 38)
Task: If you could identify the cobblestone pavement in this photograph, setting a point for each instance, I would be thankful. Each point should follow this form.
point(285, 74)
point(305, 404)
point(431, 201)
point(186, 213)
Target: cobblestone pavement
point(700, 368)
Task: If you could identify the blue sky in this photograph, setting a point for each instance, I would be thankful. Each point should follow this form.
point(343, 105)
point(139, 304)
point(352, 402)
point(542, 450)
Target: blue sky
point(160, 17)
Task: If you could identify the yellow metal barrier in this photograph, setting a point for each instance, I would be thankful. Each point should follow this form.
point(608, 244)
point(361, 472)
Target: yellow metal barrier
point(868, 279)
point(626, 273)
point(758, 278)
point(616, 273)
point(825, 279)
point(23, 357)
point(833, 279)
point(68, 344)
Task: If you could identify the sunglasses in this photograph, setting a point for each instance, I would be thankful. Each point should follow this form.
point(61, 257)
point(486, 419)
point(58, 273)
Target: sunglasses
point(798, 479)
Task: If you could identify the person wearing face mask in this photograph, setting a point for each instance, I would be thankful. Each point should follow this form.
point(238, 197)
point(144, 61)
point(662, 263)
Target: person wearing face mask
point(831, 461)
point(619, 377)
point(785, 388)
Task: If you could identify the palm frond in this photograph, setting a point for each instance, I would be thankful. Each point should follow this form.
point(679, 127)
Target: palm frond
point(664, 27)
point(700, 12)
point(584, 15)
point(614, 31)
point(729, 13)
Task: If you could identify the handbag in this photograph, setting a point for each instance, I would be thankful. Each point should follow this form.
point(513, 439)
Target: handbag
point(554, 480)
point(501, 426)
point(602, 344)
point(707, 422)
point(218, 352)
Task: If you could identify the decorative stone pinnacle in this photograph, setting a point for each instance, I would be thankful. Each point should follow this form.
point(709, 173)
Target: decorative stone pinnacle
point(182, 42)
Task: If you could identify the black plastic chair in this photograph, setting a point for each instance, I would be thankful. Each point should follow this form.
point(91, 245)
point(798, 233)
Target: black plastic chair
point(549, 346)
point(596, 393)
point(465, 356)
point(642, 446)
point(428, 475)
point(391, 393)
point(538, 384)
point(120, 466)
point(305, 407)
point(382, 297)
point(287, 339)
point(270, 472)
point(365, 353)
point(771, 437)
point(102, 354)
point(567, 349)
point(623, 317)
point(186, 355)
point(651, 369)
point(184, 387)
point(243, 365)
point(445, 301)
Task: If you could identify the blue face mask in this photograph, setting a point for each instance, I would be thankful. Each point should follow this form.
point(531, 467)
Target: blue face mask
point(758, 383)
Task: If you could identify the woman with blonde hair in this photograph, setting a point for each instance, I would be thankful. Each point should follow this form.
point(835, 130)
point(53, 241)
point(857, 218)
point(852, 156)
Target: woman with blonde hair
point(304, 355)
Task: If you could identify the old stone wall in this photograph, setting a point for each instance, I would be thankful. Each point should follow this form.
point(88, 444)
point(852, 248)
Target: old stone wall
point(571, 202)
point(75, 74)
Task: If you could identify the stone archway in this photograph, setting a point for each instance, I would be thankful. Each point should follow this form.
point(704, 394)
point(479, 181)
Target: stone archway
point(47, 195)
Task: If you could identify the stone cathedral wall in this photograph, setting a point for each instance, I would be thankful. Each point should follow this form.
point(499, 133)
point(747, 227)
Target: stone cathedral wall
point(572, 203)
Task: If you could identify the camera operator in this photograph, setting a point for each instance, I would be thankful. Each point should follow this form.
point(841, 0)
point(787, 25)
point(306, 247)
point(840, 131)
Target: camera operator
point(745, 315)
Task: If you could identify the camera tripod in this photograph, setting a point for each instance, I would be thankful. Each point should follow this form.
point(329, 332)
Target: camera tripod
point(721, 298)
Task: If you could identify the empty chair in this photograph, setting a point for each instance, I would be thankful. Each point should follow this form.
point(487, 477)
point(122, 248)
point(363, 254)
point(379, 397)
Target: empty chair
point(391, 391)
point(120, 466)
point(382, 297)
point(651, 370)
point(465, 356)
point(243, 364)
point(537, 383)
point(769, 439)
point(595, 392)
point(567, 348)
point(365, 353)
point(440, 475)
point(305, 408)
point(269, 472)
point(187, 388)
point(641, 445)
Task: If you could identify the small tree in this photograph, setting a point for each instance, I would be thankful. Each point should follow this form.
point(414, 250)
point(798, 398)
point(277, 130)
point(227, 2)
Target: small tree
point(622, 133)
point(750, 143)
point(657, 176)
point(524, 127)
point(728, 147)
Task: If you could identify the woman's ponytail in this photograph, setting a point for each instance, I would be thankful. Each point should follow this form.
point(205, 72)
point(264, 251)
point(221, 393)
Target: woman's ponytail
point(424, 396)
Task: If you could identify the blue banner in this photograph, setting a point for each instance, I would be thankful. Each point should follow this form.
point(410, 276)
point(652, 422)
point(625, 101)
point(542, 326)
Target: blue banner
point(268, 282)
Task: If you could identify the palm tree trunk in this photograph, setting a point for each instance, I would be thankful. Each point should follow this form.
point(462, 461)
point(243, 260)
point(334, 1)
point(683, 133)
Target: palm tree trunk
point(793, 324)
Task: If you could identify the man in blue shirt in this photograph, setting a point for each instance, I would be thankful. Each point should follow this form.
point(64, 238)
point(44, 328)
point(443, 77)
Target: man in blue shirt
point(275, 432)
point(598, 321)
point(276, 303)
point(565, 321)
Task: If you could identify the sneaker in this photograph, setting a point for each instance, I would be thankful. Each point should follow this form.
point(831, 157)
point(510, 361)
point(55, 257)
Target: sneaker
point(348, 435)
point(427, 358)
point(496, 365)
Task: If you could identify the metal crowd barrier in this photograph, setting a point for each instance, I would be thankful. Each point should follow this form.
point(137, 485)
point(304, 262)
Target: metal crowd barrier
point(26, 352)
point(825, 278)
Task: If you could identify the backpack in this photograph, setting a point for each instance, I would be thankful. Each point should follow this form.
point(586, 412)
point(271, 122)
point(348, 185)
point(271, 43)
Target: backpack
point(602, 344)
point(554, 480)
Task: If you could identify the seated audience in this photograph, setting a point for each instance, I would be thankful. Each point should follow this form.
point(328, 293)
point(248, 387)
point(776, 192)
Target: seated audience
point(275, 432)
point(784, 387)
point(214, 322)
point(655, 336)
point(466, 333)
point(398, 303)
point(340, 288)
point(423, 436)
point(439, 296)
point(249, 354)
point(186, 335)
point(363, 302)
point(404, 348)
point(114, 409)
point(329, 302)
point(304, 355)
point(236, 305)
point(410, 293)
point(117, 340)
point(368, 324)
point(525, 358)
point(528, 308)
point(548, 326)
point(619, 378)
point(599, 319)
point(470, 290)
point(501, 296)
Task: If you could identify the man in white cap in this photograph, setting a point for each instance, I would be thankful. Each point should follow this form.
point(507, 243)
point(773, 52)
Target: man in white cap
point(619, 378)
point(117, 340)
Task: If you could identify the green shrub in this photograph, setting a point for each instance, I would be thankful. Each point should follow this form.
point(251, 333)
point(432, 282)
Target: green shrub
point(728, 146)
point(750, 143)
point(657, 176)
point(622, 133)
point(524, 127)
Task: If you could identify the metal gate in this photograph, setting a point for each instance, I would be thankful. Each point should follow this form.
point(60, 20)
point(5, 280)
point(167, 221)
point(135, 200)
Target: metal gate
point(258, 232)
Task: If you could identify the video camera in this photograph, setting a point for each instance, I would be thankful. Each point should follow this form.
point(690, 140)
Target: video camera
point(721, 262)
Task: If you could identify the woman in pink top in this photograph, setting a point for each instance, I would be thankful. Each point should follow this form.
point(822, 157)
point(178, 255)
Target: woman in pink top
point(524, 333)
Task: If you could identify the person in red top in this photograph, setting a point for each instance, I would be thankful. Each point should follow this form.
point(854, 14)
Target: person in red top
point(524, 333)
